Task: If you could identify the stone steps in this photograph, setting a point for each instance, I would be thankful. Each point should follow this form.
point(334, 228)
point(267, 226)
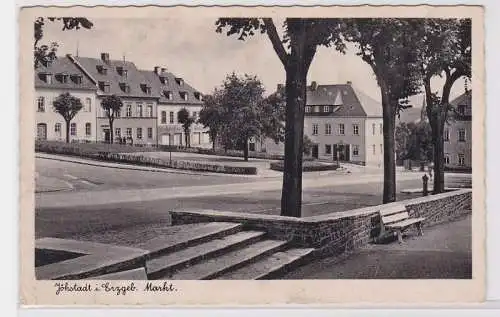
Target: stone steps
point(161, 266)
point(269, 266)
point(210, 269)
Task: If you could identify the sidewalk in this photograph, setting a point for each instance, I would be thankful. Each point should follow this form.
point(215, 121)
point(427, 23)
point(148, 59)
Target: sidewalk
point(445, 251)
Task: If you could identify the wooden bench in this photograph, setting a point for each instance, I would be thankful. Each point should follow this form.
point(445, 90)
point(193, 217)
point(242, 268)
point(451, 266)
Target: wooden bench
point(395, 220)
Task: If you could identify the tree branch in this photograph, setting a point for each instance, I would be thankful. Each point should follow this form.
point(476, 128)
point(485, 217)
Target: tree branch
point(275, 40)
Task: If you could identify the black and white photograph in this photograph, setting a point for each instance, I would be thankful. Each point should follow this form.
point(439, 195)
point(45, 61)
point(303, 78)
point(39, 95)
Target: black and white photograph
point(251, 146)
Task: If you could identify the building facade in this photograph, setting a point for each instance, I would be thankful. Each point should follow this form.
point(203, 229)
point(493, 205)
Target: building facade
point(458, 133)
point(174, 95)
point(342, 122)
point(53, 79)
point(137, 121)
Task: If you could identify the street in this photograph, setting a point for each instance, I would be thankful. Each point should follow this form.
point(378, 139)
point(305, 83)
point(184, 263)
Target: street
point(58, 214)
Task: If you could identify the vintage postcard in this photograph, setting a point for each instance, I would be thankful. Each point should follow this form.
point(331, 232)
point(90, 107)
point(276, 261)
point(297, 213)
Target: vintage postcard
point(243, 156)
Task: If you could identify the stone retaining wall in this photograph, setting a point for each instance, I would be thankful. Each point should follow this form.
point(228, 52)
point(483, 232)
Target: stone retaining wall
point(340, 232)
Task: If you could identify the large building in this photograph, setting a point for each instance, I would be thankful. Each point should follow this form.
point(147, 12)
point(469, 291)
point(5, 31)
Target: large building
point(343, 123)
point(53, 79)
point(458, 133)
point(175, 94)
point(137, 122)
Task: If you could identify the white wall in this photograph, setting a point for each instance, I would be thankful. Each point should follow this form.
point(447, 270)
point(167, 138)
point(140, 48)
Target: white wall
point(374, 139)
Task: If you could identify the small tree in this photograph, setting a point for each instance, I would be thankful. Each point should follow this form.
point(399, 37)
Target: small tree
point(111, 105)
point(186, 121)
point(211, 116)
point(67, 106)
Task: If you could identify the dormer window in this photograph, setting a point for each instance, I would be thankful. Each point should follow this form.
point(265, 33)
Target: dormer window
point(179, 81)
point(122, 71)
point(46, 77)
point(168, 94)
point(48, 63)
point(184, 95)
point(77, 79)
point(197, 95)
point(146, 89)
point(164, 80)
point(104, 86)
point(308, 109)
point(63, 78)
point(125, 87)
point(102, 70)
point(461, 109)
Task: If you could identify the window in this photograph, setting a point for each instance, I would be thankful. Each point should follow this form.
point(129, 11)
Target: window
point(461, 135)
point(315, 129)
point(118, 133)
point(341, 129)
point(150, 133)
point(381, 129)
point(355, 150)
point(118, 113)
point(88, 129)
point(446, 159)
point(139, 110)
point(461, 159)
point(373, 128)
point(328, 149)
point(64, 79)
point(57, 129)
point(171, 115)
point(446, 135)
point(129, 132)
point(41, 104)
point(355, 129)
point(178, 116)
point(194, 114)
point(308, 109)
point(88, 104)
point(129, 111)
point(326, 108)
point(461, 109)
point(150, 110)
point(72, 129)
point(374, 149)
point(184, 95)
point(163, 117)
point(328, 129)
point(139, 133)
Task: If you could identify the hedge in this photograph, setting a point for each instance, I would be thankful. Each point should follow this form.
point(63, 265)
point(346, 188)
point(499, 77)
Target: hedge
point(94, 153)
point(307, 166)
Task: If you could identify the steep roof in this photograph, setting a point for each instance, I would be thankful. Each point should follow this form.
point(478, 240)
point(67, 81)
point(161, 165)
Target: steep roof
point(134, 78)
point(463, 99)
point(348, 101)
point(58, 67)
point(174, 85)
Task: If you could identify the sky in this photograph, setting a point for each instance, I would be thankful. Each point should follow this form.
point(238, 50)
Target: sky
point(191, 49)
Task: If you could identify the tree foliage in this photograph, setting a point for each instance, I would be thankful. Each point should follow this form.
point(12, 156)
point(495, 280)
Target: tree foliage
point(414, 141)
point(212, 116)
point(46, 53)
point(186, 121)
point(112, 106)
point(67, 106)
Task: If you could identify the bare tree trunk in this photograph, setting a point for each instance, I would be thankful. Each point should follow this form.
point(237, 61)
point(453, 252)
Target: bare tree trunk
point(67, 130)
point(245, 150)
point(296, 72)
point(111, 131)
point(389, 117)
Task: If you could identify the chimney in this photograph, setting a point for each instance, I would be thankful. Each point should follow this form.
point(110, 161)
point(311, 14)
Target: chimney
point(349, 82)
point(163, 69)
point(314, 85)
point(105, 57)
point(156, 70)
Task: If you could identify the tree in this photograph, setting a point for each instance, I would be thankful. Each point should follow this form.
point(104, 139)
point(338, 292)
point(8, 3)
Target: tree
point(296, 51)
point(67, 106)
point(45, 53)
point(444, 49)
point(211, 116)
point(186, 121)
point(243, 103)
point(385, 45)
point(112, 106)
point(414, 141)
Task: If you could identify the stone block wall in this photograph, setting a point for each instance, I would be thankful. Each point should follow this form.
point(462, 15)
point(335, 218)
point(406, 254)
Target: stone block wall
point(341, 232)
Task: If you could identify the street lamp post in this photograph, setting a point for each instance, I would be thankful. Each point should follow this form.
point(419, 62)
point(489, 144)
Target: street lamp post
point(170, 147)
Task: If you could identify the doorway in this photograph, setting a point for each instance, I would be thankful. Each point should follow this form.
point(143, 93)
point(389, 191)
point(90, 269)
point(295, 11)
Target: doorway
point(41, 131)
point(107, 136)
point(315, 151)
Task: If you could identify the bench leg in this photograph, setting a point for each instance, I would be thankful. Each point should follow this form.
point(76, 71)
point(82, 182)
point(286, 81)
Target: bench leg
point(400, 236)
point(419, 228)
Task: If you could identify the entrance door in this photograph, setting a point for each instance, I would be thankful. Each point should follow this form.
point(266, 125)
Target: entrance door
point(315, 151)
point(347, 152)
point(41, 131)
point(178, 139)
point(106, 136)
point(165, 139)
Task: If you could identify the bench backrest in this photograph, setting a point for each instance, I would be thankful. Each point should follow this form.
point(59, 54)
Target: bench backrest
point(393, 214)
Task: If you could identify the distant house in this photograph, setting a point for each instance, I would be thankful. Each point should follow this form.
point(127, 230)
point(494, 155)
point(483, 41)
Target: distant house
point(137, 120)
point(175, 94)
point(458, 133)
point(342, 123)
point(51, 80)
